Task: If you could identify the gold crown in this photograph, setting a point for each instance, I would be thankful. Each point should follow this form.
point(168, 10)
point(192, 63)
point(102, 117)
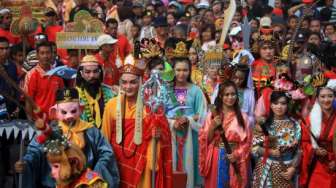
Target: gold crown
point(213, 56)
point(130, 66)
point(319, 80)
point(152, 49)
point(180, 50)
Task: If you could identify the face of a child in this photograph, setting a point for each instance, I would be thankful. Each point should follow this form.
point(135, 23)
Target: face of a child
point(147, 20)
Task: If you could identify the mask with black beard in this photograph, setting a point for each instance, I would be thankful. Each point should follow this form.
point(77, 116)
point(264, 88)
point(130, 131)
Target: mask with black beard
point(92, 87)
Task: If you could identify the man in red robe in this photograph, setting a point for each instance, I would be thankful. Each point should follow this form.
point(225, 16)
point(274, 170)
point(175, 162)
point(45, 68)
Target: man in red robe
point(131, 131)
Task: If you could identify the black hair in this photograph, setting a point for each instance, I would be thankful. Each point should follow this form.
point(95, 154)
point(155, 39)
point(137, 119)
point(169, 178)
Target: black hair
point(245, 69)
point(319, 89)
point(43, 44)
point(16, 49)
point(80, 80)
point(155, 61)
point(111, 21)
point(125, 13)
point(212, 28)
point(186, 60)
point(275, 96)
point(4, 39)
point(315, 33)
point(219, 101)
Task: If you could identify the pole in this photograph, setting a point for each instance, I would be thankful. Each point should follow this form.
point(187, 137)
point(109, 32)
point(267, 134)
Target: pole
point(21, 157)
point(154, 160)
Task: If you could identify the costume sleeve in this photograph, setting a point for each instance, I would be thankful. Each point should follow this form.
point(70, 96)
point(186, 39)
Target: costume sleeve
point(307, 152)
point(200, 109)
point(107, 122)
point(206, 148)
point(103, 158)
point(243, 151)
point(37, 170)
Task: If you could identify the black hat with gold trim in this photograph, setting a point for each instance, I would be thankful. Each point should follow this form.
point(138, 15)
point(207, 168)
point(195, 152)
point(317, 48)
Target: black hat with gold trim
point(67, 95)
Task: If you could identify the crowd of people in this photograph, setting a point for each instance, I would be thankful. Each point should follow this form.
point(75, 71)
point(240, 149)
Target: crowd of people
point(238, 94)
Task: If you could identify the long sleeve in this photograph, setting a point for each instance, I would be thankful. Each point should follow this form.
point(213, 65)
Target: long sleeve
point(243, 150)
point(206, 148)
point(36, 168)
point(101, 158)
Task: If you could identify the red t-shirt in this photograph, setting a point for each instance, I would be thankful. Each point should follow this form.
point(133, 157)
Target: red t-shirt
point(10, 37)
point(51, 32)
point(111, 72)
point(123, 46)
point(42, 88)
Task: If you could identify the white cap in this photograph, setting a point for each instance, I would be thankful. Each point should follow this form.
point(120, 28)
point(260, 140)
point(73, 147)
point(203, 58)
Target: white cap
point(332, 84)
point(265, 22)
point(105, 39)
point(234, 31)
point(4, 11)
point(203, 4)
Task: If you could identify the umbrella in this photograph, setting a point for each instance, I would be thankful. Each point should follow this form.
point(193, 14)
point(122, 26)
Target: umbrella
point(63, 72)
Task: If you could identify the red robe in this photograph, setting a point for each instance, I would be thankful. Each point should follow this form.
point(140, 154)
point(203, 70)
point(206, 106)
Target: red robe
point(132, 159)
point(321, 175)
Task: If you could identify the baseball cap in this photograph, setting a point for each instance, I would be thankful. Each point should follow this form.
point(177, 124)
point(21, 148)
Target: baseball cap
point(105, 39)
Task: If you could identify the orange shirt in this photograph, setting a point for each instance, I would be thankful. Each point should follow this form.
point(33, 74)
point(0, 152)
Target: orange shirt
point(42, 88)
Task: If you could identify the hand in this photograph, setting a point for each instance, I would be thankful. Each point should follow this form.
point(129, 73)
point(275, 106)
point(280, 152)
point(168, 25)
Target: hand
point(217, 121)
point(156, 132)
point(332, 166)
point(261, 120)
point(115, 88)
point(231, 158)
point(181, 123)
point(275, 152)
point(321, 152)
point(288, 174)
point(19, 167)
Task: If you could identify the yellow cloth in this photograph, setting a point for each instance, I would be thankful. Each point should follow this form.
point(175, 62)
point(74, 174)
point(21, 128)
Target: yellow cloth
point(196, 76)
point(147, 174)
point(110, 115)
point(75, 133)
point(94, 107)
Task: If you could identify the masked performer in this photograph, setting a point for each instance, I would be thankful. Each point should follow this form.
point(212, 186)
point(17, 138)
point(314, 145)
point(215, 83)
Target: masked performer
point(276, 146)
point(98, 152)
point(187, 111)
point(93, 94)
point(68, 162)
point(318, 163)
point(227, 116)
point(129, 129)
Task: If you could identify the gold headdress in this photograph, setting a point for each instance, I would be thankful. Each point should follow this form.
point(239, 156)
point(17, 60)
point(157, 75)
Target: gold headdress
point(319, 80)
point(213, 56)
point(131, 65)
point(180, 51)
point(89, 60)
point(150, 49)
